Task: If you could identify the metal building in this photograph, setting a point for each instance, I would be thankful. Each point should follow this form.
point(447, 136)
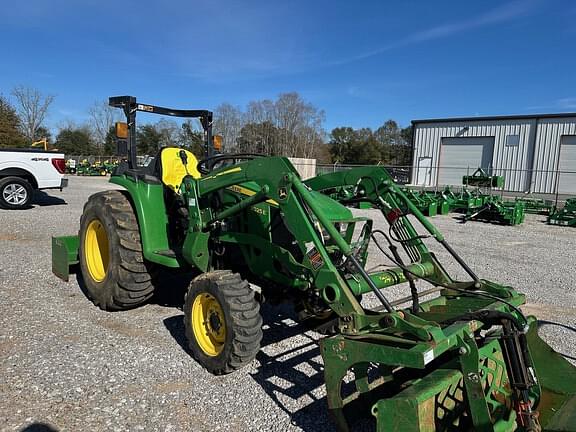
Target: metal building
point(535, 153)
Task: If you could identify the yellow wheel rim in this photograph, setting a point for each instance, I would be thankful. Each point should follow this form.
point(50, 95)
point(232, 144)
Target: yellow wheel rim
point(208, 324)
point(96, 251)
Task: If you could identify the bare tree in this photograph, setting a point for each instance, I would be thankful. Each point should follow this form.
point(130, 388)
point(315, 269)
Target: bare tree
point(169, 132)
point(228, 121)
point(102, 118)
point(32, 107)
point(261, 136)
point(288, 126)
point(300, 123)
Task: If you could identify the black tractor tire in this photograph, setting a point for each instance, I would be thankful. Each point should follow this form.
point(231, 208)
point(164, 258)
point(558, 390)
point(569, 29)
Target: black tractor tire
point(15, 193)
point(239, 316)
point(127, 278)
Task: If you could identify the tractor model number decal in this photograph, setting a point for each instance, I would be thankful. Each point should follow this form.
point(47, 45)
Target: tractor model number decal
point(245, 191)
point(387, 279)
point(315, 258)
point(258, 210)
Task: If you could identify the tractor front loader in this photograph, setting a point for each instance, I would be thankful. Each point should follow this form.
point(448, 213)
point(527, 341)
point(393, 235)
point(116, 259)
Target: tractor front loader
point(460, 355)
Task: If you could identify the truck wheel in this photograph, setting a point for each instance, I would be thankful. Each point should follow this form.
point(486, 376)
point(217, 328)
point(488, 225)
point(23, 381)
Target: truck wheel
point(222, 321)
point(115, 275)
point(15, 193)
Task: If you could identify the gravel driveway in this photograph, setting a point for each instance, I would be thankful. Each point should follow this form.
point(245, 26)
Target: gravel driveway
point(67, 364)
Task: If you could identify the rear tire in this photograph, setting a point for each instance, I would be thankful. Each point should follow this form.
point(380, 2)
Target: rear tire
point(115, 275)
point(15, 193)
point(222, 321)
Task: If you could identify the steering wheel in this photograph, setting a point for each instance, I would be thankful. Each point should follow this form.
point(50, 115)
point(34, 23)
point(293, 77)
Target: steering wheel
point(206, 166)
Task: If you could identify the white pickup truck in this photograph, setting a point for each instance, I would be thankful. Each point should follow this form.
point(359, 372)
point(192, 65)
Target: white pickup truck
point(24, 170)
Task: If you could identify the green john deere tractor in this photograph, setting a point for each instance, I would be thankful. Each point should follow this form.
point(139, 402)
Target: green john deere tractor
point(460, 355)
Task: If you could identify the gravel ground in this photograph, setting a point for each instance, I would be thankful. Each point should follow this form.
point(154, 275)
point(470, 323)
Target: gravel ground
point(65, 363)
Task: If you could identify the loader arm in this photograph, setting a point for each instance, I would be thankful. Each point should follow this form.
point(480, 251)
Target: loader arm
point(339, 284)
point(510, 364)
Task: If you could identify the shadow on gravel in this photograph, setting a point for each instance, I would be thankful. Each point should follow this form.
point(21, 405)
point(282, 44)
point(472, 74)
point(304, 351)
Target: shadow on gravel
point(175, 325)
point(281, 322)
point(42, 199)
point(170, 288)
point(39, 427)
point(272, 317)
point(293, 377)
point(542, 323)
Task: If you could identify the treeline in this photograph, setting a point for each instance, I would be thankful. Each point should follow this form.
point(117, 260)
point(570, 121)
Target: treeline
point(287, 126)
point(387, 145)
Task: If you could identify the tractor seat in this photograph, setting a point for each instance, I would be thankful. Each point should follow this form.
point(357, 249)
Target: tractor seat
point(172, 168)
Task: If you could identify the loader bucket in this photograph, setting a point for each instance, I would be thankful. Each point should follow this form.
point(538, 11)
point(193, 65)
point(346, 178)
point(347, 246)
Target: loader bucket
point(557, 378)
point(439, 398)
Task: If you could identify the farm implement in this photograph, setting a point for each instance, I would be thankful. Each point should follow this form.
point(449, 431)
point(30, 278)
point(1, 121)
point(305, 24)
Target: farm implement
point(85, 168)
point(480, 178)
point(564, 216)
point(459, 355)
point(494, 209)
point(476, 200)
point(534, 205)
point(427, 202)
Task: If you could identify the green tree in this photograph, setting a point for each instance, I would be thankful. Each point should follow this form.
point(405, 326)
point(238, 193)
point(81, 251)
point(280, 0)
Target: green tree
point(74, 141)
point(44, 132)
point(10, 135)
point(192, 139)
point(322, 153)
point(406, 134)
point(148, 140)
point(349, 146)
point(110, 142)
point(341, 141)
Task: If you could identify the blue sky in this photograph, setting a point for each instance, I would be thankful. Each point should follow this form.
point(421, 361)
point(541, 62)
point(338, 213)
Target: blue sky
point(362, 62)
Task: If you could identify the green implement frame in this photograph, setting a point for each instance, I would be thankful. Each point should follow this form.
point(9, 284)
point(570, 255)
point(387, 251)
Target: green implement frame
point(534, 205)
point(494, 209)
point(565, 216)
point(427, 204)
point(481, 179)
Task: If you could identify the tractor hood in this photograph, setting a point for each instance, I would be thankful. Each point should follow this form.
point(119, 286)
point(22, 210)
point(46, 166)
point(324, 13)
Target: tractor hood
point(333, 209)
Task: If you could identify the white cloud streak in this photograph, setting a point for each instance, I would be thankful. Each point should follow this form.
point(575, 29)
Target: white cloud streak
point(506, 12)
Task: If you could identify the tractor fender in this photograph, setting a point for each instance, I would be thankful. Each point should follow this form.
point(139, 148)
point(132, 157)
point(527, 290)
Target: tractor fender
point(148, 202)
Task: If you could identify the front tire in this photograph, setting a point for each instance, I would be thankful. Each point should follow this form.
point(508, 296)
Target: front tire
point(222, 321)
point(15, 193)
point(114, 272)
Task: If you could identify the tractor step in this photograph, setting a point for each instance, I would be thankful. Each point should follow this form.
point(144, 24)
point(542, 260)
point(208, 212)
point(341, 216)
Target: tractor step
point(167, 253)
point(64, 255)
